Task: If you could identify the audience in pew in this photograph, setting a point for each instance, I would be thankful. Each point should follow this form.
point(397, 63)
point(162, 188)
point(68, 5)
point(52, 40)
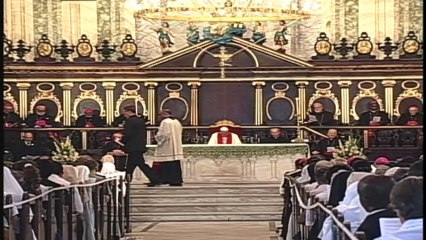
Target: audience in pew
point(43, 173)
point(364, 192)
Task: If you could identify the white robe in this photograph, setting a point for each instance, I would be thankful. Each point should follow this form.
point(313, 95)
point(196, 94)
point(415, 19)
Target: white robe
point(169, 141)
point(214, 137)
point(410, 230)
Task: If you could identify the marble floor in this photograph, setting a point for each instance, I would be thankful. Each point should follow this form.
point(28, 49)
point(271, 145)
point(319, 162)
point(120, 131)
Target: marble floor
point(204, 231)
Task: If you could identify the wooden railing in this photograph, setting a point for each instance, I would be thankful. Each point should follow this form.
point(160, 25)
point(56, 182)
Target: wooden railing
point(294, 213)
point(52, 214)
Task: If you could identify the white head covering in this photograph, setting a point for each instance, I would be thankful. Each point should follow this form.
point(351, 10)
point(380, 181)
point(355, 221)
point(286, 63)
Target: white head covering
point(391, 171)
point(356, 176)
point(304, 176)
point(83, 173)
point(107, 168)
point(224, 129)
point(11, 185)
point(70, 174)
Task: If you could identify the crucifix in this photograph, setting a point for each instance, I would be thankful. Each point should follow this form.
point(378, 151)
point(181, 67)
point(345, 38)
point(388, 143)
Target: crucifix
point(224, 58)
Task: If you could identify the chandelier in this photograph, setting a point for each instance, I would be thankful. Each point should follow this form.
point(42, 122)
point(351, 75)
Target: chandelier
point(228, 13)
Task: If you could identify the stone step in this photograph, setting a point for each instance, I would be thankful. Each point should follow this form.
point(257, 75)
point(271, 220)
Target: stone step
point(207, 207)
point(205, 198)
point(205, 216)
point(209, 189)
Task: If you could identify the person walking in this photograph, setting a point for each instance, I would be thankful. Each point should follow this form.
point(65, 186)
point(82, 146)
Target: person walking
point(134, 140)
point(169, 150)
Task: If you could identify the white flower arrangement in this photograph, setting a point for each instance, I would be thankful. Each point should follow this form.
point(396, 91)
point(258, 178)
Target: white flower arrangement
point(349, 149)
point(65, 151)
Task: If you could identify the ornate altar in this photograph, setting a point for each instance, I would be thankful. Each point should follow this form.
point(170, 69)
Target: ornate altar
point(245, 162)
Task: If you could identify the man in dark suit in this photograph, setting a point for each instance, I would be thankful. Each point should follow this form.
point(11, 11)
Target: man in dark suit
point(27, 147)
point(373, 117)
point(11, 119)
point(320, 117)
point(89, 119)
point(374, 192)
point(411, 118)
point(275, 136)
point(134, 140)
point(40, 118)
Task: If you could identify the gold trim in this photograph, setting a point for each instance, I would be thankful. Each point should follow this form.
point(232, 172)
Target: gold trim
point(344, 89)
point(175, 94)
point(389, 84)
point(290, 58)
point(325, 93)
point(109, 98)
point(7, 96)
point(365, 93)
point(66, 98)
point(174, 55)
point(47, 95)
point(204, 50)
point(258, 113)
point(407, 93)
point(151, 101)
point(130, 94)
point(280, 94)
point(194, 102)
point(186, 79)
point(87, 95)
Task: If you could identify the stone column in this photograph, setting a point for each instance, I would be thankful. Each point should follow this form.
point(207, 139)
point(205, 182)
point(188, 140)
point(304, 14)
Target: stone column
point(258, 103)
point(66, 96)
point(151, 101)
point(345, 101)
point(23, 99)
point(389, 84)
point(194, 102)
point(109, 105)
point(47, 19)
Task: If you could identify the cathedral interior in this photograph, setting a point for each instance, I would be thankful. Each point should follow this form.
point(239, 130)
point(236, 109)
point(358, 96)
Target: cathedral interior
point(249, 65)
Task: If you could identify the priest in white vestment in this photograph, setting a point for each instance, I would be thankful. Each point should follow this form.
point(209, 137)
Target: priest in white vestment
point(224, 137)
point(169, 151)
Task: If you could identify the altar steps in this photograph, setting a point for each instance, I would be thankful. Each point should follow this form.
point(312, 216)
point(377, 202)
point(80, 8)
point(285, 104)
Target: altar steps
point(206, 202)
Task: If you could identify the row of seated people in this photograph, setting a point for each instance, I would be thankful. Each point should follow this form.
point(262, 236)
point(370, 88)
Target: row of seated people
point(42, 118)
point(317, 117)
point(364, 193)
point(373, 117)
point(43, 174)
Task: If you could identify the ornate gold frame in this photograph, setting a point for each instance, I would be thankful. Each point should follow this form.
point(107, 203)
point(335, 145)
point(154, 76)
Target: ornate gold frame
point(89, 94)
point(130, 94)
point(325, 93)
point(409, 92)
point(280, 94)
point(47, 95)
point(365, 93)
point(7, 96)
point(175, 94)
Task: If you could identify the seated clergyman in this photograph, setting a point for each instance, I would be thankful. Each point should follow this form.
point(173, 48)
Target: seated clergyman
point(224, 136)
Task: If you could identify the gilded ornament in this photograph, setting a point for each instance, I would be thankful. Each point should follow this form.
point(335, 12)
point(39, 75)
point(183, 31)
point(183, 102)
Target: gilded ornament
point(323, 47)
point(44, 49)
point(84, 49)
point(128, 49)
point(364, 47)
point(411, 46)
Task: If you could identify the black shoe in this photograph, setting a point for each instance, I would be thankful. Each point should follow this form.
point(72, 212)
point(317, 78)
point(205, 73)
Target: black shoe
point(152, 185)
point(175, 185)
